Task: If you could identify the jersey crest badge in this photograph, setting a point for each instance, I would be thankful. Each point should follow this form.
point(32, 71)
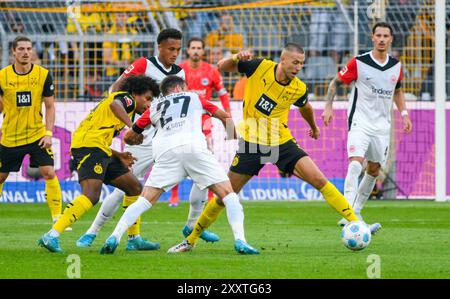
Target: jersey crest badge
point(128, 101)
point(205, 81)
point(98, 169)
point(393, 79)
point(352, 149)
point(34, 81)
point(235, 160)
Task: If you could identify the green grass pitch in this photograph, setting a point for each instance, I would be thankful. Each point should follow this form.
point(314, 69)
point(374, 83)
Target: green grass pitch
point(296, 240)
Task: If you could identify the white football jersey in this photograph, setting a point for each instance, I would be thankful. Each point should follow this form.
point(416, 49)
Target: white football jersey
point(373, 92)
point(153, 68)
point(177, 119)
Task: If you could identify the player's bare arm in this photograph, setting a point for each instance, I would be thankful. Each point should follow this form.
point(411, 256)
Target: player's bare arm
point(399, 100)
point(117, 84)
point(126, 157)
point(134, 135)
point(1, 104)
point(46, 141)
point(227, 122)
point(327, 115)
point(307, 113)
point(118, 110)
point(133, 138)
point(230, 64)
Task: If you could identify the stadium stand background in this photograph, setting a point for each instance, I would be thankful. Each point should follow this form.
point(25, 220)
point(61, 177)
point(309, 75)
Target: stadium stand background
point(71, 39)
point(86, 44)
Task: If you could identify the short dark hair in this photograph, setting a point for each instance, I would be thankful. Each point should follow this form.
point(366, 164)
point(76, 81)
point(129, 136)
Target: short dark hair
point(165, 34)
point(196, 39)
point(139, 85)
point(170, 82)
point(383, 25)
point(294, 47)
point(20, 38)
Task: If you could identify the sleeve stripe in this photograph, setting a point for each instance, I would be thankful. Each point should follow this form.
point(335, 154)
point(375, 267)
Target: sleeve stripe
point(222, 92)
point(137, 129)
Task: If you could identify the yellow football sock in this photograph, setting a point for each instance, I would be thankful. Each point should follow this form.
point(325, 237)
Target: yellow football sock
point(135, 229)
point(73, 211)
point(335, 199)
point(1, 189)
point(53, 196)
point(209, 216)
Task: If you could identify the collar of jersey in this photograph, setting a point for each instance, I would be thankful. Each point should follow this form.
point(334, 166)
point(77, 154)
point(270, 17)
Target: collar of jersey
point(14, 69)
point(275, 76)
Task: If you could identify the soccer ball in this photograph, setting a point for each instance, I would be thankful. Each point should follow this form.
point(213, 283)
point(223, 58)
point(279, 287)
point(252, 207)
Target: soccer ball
point(356, 235)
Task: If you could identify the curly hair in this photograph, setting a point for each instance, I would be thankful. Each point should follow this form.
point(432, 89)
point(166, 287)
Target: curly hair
point(139, 85)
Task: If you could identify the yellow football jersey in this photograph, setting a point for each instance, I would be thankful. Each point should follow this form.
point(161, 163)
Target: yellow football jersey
point(22, 104)
point(101, 125)
point(267, 103)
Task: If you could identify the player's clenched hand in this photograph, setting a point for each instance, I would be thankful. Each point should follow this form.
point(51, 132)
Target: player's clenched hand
point(133, 138)
point(327, 115)
point(127, 159)
point(245, 55)
point(407, 125)
point(314, 132)
point(46, 142)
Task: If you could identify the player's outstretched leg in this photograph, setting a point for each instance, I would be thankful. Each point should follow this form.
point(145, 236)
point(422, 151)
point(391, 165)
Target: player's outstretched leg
point(351, 185)
point(235, 215)
point(365, 188)
point(336, 200)
point(135, 241)
point(306, 169)
point(73, 211)
point(129, 218)
point(197, 200)
point(332, 197)
point(210, 215)
point(132, 213)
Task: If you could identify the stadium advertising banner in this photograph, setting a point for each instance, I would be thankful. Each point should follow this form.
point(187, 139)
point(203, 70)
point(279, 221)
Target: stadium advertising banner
point(413, 153)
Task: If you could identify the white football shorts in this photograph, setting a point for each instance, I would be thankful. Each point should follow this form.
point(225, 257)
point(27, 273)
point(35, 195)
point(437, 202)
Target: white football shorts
point(144, 156)
point(176, 164)
point(373, 148)
point(143, 153)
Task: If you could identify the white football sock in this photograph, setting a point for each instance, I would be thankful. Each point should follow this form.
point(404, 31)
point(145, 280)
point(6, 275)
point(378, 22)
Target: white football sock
point(130, 216)
point(351, 182)
point(235, 215)
point(53, 233)
point(197, 199)
point(109, 206)
point(365, 188)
